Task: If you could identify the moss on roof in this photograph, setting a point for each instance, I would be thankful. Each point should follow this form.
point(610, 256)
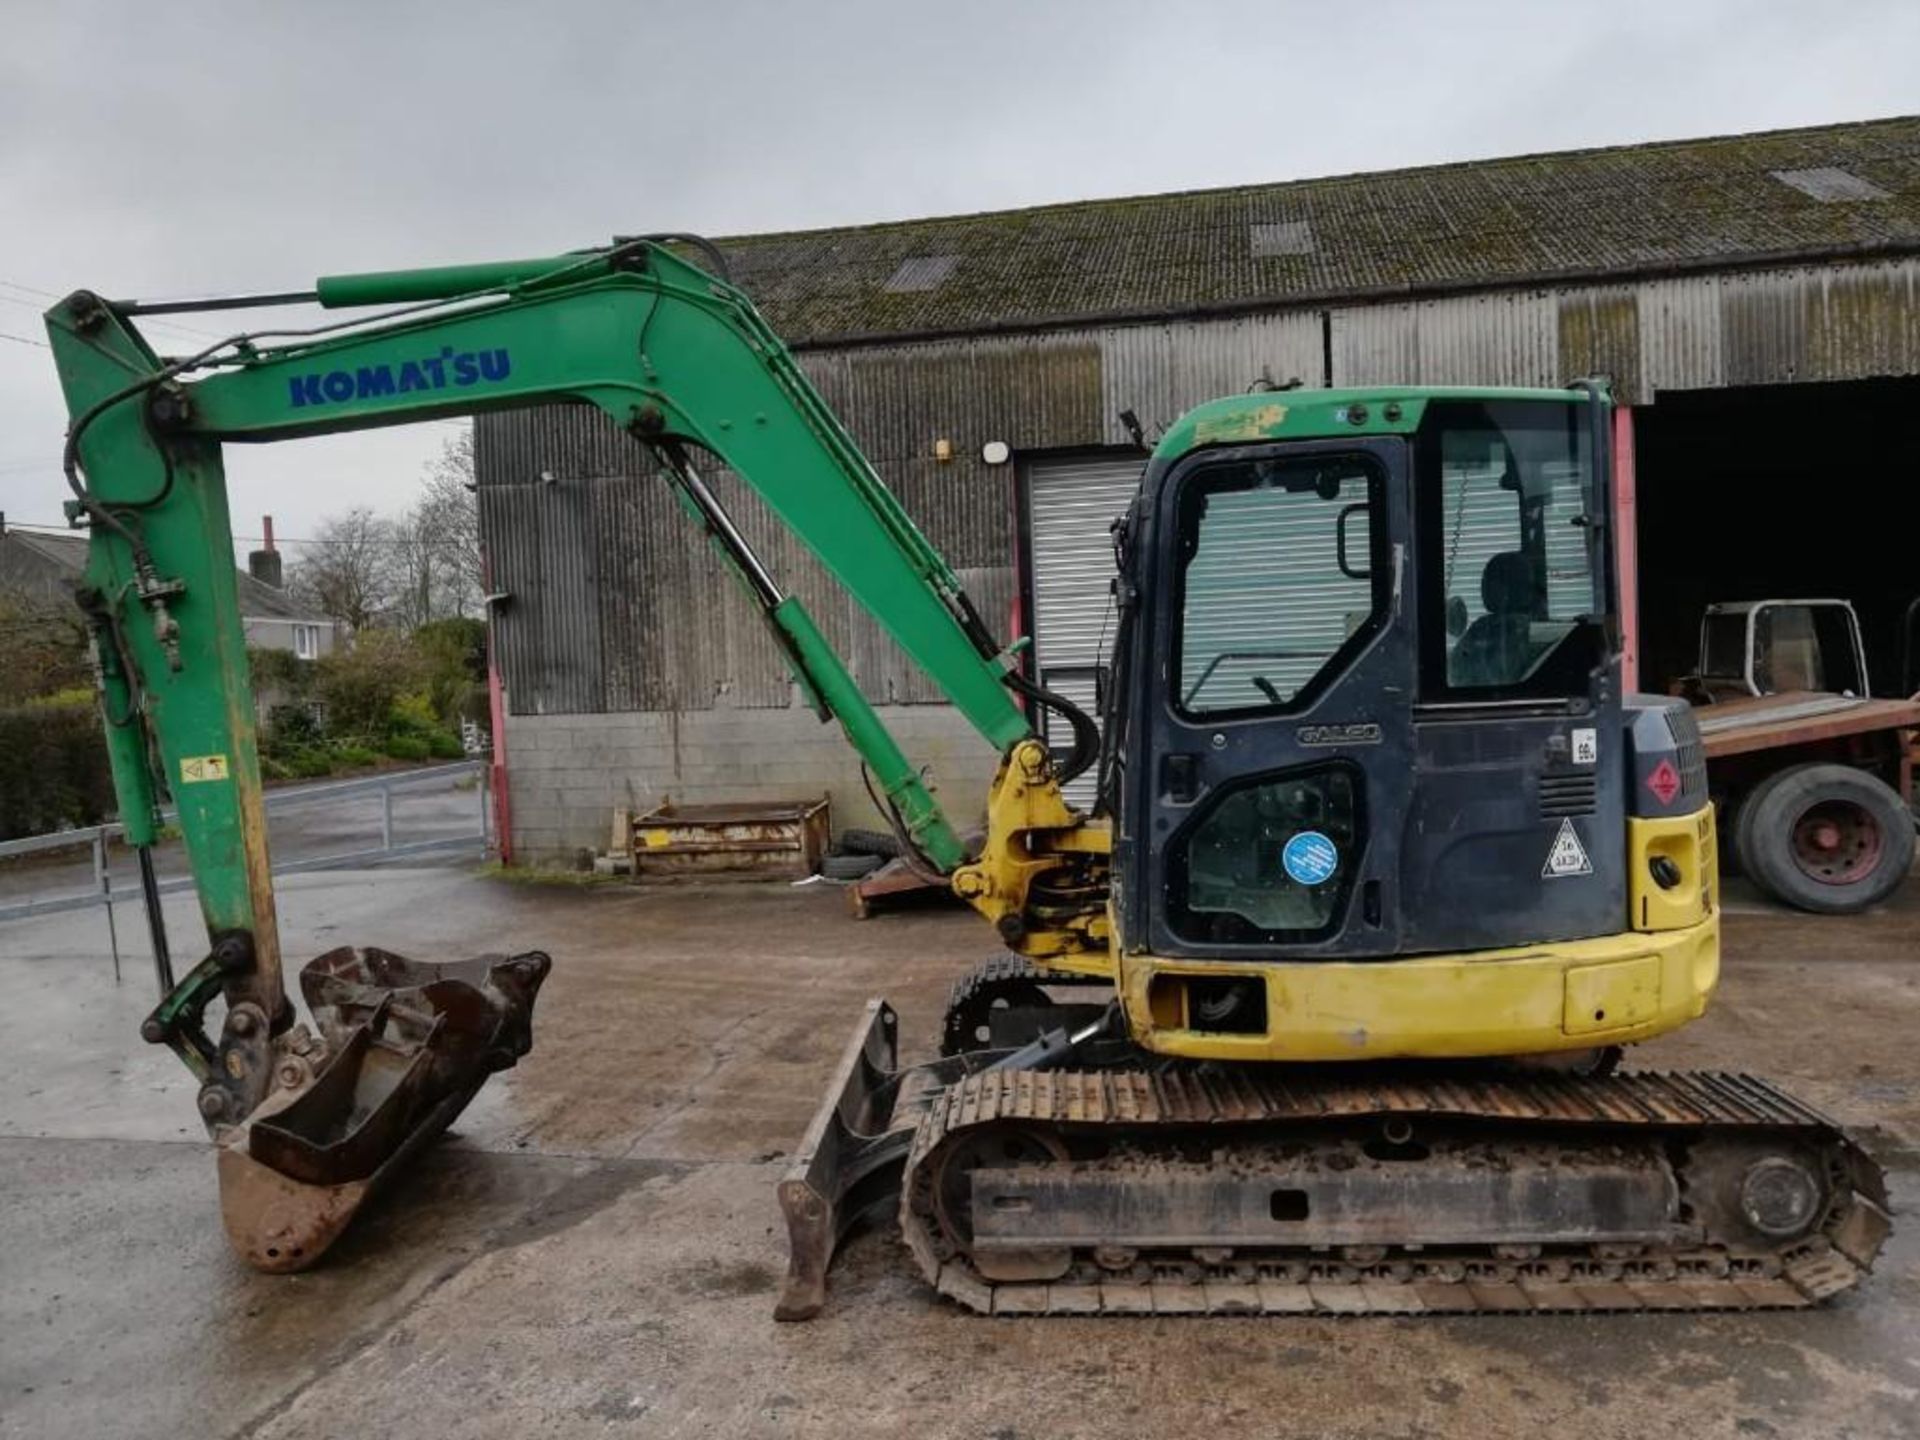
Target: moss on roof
point(1627, 209)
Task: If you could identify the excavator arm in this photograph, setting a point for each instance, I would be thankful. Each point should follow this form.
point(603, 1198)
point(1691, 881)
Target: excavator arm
point(677, 358)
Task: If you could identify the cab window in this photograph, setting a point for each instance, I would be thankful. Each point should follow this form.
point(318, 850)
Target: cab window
point(1509, 547)
point(1281, 578)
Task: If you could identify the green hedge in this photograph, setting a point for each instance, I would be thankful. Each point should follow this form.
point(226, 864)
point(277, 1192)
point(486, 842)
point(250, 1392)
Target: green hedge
point(53, 768)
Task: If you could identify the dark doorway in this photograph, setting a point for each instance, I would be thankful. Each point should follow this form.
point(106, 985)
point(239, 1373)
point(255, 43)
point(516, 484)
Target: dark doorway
point(1782, 491)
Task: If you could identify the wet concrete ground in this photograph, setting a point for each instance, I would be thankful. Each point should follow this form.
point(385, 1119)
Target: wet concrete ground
point(425, 807)
point(596, 1251)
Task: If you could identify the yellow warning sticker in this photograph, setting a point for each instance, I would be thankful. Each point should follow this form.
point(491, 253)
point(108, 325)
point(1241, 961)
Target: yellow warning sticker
point(196, 768)
point(656, 838)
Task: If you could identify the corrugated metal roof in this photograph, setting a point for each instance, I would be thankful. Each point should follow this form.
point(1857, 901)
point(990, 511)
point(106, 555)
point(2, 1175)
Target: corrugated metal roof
point(1635, 209)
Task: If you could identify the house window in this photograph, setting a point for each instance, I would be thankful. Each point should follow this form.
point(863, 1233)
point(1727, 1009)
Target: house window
point(306, 641)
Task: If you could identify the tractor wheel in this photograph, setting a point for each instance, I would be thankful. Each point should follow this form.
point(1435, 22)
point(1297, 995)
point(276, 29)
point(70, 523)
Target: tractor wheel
point(1825, 838)
point(1737, 835)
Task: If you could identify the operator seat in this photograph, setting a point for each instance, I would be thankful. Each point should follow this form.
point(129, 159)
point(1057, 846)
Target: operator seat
point(1497, 647)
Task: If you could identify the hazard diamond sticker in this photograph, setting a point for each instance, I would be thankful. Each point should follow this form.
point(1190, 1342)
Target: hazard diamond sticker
point(1664, 782)
point(1568, 856)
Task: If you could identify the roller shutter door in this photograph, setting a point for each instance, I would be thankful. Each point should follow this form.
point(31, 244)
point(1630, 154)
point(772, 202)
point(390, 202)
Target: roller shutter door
point(1071, 505)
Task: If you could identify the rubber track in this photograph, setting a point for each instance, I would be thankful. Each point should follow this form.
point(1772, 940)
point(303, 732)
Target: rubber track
point(1132, 1104)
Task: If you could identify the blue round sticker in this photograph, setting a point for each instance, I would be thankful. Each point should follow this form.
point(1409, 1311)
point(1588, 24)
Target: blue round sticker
point(1310, 858)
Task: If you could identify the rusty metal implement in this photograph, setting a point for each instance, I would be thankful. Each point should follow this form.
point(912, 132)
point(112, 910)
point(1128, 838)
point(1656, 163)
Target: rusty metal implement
point(403, 1046)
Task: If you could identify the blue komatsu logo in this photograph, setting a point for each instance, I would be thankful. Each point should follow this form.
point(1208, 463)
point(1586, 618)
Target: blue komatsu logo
point(457, 369)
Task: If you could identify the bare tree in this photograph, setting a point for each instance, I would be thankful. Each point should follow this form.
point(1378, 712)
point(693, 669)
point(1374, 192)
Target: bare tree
point(363, 569)
point(417, 572)
point(451, 501)
point(347, 570)
point(437, 549)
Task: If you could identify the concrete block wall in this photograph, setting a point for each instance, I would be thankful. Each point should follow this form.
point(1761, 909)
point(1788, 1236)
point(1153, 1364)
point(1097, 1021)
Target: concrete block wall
point(567, 773)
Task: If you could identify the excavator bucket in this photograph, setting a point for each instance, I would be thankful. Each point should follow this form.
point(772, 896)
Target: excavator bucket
point(402, 1048)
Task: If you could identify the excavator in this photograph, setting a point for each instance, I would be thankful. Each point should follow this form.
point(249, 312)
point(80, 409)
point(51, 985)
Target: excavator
point(1315, 1008)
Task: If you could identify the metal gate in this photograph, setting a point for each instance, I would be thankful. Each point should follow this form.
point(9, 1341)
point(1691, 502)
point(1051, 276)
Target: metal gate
point(1071, 505)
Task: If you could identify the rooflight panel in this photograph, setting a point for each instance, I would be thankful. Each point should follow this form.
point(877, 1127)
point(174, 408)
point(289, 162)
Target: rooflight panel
point(919, 273)
point(1831, 184)
point(1280, 237)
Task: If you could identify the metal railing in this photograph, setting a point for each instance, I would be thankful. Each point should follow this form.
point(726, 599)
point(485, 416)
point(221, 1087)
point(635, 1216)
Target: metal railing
point(97, 837)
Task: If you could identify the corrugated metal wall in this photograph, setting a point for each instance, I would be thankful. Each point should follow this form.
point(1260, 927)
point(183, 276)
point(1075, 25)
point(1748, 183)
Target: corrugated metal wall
point(1482, 518)
point(1761, 327)
point(1507, 339)
point(618, 606)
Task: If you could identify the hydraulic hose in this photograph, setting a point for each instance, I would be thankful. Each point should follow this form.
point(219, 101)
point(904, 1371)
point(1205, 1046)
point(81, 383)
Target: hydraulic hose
point(1086, 731)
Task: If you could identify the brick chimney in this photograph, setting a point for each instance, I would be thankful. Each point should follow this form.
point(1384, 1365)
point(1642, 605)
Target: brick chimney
point(264, 564)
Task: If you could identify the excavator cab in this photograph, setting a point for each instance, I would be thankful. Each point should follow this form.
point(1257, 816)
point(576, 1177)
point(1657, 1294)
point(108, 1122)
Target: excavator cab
point(1301, 592)
point(1395, 730)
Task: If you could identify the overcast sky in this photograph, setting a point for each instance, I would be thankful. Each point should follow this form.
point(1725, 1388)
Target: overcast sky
point(189, 147)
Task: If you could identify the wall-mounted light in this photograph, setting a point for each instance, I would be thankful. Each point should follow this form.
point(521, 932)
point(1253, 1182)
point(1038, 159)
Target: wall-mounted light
point(943, 450)
point(996, 452)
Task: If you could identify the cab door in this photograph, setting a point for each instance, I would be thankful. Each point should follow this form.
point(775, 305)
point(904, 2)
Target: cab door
point(1274, 699)
point(1516, 832)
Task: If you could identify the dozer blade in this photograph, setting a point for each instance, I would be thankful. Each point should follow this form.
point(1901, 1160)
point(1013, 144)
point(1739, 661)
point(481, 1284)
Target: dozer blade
point(404, 1046)
point(848, 1151)
point(847, 1169)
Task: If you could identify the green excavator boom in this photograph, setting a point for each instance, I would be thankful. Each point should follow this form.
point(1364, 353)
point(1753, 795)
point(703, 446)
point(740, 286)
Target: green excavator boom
point(674, 356)
point(677, 358)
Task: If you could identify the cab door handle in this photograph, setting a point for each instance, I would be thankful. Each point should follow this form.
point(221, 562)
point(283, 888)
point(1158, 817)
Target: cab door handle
point(1179, 778)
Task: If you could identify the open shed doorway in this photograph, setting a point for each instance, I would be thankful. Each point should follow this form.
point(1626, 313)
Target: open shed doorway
point(1778, 491)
